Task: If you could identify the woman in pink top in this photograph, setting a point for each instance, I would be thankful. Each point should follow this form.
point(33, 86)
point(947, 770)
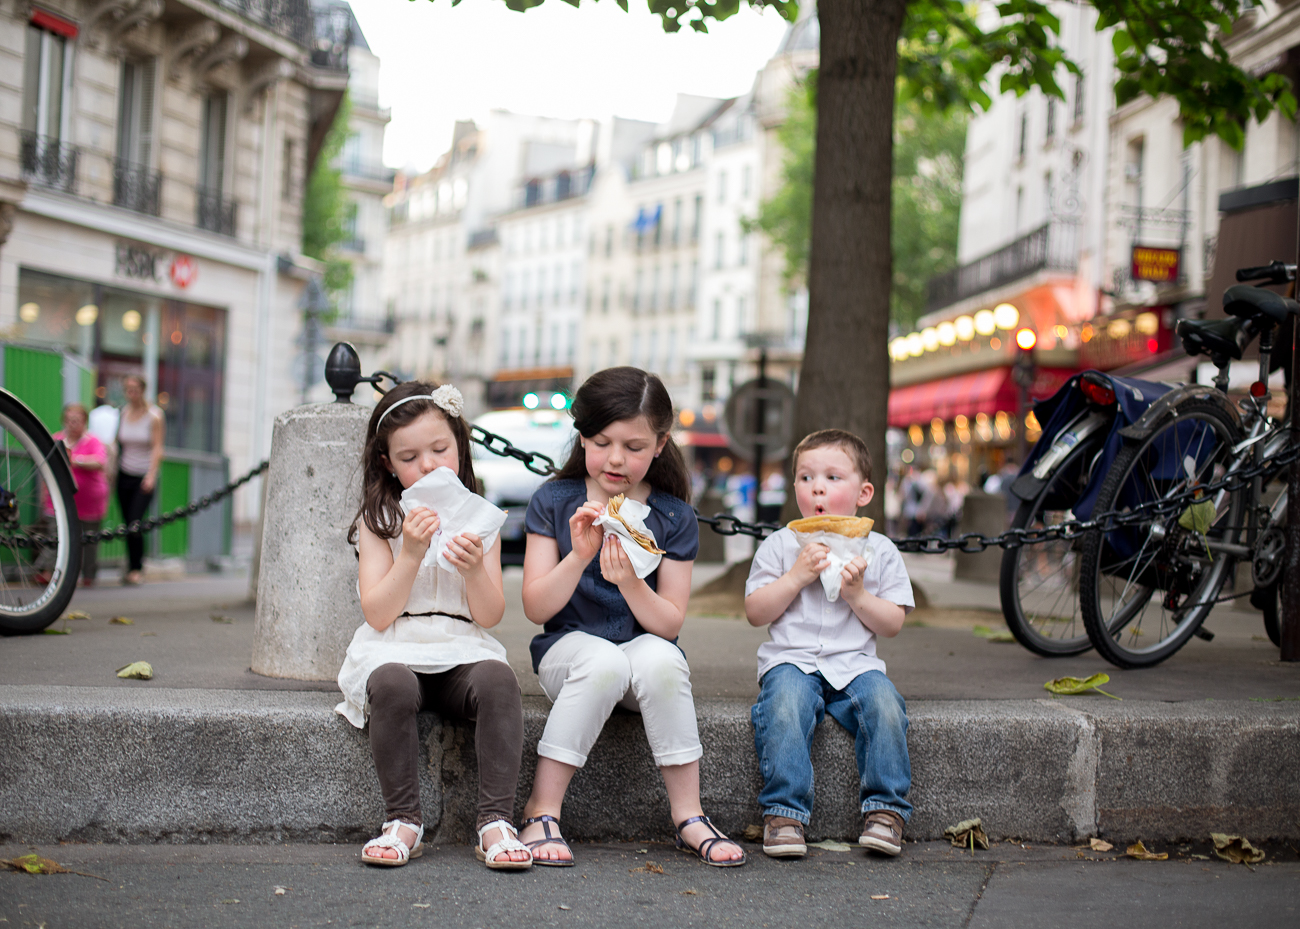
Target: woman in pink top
point(89, 456)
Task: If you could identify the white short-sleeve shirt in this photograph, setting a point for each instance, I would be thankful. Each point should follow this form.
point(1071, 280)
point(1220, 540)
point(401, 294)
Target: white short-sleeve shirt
point(814, 634)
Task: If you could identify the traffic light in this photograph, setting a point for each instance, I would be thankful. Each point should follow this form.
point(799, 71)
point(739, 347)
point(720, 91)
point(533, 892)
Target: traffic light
point(1025, 368)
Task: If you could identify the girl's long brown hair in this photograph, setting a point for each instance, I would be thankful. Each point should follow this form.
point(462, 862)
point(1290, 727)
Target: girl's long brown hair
point(380, 490)
point(618, 394)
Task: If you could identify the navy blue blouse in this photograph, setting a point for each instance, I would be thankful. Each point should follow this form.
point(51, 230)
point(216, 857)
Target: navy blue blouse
point(597, 607)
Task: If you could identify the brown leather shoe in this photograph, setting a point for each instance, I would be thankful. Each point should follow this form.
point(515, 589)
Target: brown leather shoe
point(783, 837)
point(882, 831)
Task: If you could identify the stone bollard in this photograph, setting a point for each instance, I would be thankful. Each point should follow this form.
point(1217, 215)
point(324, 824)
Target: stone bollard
point(986, 514)
point(307, 603)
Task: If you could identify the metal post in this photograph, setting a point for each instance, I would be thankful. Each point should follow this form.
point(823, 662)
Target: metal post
point(1290, 619)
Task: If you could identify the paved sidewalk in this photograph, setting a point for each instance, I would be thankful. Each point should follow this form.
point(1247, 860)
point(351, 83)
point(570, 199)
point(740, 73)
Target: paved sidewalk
point(936, 657)
point(614, 885)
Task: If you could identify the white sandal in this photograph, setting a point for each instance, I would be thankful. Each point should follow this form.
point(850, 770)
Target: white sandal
point(510, 843)
point(390, 840)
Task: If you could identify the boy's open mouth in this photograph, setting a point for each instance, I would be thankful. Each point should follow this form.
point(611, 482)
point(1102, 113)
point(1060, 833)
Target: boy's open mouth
point(819, 510)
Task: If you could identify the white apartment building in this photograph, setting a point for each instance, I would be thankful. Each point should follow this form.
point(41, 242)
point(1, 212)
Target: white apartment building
point(152, 164)
point(1218, 208)
point(363, 316)
point(444, 268)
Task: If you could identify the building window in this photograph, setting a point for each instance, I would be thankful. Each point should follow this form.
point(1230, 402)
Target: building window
point(214, 213)
point(1023, 147)
point(604, 295)
point(659, 226)
point(286, 172)
point(654, 289)
point(672, 287)
point(697, 217)
point(718, 251)
point(45, 78)
point(717, 318)
point(744, 250)
point(1050, 131)
point(670, 352)
point(708, 383)
point(746, 180)
point(742, 324)
point(636, 293)
point(1080, 86)
point(695, 277)
point(722, 186)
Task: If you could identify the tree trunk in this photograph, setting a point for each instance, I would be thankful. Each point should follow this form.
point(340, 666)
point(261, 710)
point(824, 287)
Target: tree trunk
point(844, 381)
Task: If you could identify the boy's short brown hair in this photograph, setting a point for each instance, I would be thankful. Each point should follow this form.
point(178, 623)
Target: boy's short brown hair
point(854, 447)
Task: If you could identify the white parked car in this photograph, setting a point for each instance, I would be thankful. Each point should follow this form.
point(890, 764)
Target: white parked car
point(506, 482)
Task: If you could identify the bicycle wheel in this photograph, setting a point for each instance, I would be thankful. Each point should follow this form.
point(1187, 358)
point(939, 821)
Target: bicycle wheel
point(40, 535)
point(1146, 588)
point(1040, 583)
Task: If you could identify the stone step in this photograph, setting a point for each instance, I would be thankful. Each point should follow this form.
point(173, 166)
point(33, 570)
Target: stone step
point(172, 765)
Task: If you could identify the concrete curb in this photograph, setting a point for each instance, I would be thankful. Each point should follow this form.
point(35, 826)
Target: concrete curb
point(170, 765)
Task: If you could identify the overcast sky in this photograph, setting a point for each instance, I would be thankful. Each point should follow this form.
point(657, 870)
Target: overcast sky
point(440, 63)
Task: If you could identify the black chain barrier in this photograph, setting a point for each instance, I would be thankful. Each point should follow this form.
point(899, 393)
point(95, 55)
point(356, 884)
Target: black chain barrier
point(968, 543)
point(725, 524)
point(181, 512)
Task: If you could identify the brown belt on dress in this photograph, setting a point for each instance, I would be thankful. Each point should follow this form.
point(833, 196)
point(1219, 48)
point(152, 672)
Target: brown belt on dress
point(464, 619)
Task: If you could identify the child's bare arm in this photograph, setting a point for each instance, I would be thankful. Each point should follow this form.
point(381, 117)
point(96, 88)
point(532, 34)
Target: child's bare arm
point(661, 611)
point(882, 617)
point(385, 582)
point(768, 603)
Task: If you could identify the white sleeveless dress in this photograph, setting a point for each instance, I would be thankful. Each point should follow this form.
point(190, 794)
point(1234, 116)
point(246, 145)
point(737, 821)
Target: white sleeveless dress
point(425, 644)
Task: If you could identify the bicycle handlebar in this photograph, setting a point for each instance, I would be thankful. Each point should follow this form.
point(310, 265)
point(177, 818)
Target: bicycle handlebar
point(1276, 272)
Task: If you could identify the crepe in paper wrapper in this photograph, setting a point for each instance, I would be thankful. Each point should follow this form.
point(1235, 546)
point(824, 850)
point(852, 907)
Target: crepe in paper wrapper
point(459, 512)
point(625, 519)
point(845, 536)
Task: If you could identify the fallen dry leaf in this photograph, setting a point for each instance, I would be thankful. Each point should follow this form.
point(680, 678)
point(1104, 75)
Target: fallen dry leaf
point(967, 834)
point(1236, 848)
point(830, 845)
point(58, 631)
point(279, 891)
point(35, 864)
point(649, 868)
point(563, 907)
point(421, 906)
point(1066, 686)
point(752, 833)
point(76, 614)
point(121, 621)
point(993, 635)
point(691, 893)
point(880, 896)
point(1099, 845)
point(218, 618)
point(137, 670)
point(1139, 851)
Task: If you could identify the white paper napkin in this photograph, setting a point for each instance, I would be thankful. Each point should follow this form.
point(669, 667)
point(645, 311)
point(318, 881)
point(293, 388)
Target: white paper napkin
point(842, 550)
point(643, 562)
point(459, 511)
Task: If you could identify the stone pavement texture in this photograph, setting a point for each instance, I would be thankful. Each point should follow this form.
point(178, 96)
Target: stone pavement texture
point(613, 885)
point(209, 751)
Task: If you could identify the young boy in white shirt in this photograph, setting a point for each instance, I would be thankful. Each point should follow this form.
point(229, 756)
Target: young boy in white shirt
point(821, 657)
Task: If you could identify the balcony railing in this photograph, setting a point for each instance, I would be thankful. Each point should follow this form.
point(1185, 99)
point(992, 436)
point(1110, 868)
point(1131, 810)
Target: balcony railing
point(215, 213)
point(289, 18)
point(369, 172)
point(136, 188)
point(48, 162)
point(1052, 246)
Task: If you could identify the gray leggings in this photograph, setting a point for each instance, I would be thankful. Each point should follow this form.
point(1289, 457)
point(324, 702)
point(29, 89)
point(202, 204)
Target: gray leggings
point(485, 693)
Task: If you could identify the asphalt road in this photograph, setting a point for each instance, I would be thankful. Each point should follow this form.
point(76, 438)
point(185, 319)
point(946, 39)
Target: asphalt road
point(936, 656)
point(931, 885)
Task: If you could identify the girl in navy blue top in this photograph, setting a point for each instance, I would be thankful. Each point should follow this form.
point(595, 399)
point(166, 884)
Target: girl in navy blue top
point(610, 637)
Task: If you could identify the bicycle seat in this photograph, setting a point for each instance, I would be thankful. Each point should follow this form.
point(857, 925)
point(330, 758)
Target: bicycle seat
point(1247, 302)
point(1214, 336)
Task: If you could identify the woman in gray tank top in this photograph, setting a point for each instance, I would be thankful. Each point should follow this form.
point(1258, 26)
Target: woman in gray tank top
point(140, 432)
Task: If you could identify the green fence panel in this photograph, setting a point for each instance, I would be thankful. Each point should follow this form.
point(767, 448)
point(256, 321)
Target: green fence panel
point(86, 389)
point(36, 378)
point(174, 491)
point(116, 548)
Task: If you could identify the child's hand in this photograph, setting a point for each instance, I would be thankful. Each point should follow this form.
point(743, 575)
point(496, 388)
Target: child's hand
point(465, 552)
point(418, 529)
point(615, 566)
point(851, 577)
point(587, 538)
point(812, 561)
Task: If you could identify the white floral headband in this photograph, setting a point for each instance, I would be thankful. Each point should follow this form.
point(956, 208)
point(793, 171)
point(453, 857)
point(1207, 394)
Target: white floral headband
point(447, 398)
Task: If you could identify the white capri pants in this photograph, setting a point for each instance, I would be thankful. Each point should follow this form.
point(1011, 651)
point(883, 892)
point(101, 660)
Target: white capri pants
point(585, 676)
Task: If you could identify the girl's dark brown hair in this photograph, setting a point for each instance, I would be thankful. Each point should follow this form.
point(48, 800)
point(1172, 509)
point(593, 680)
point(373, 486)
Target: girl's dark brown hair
point(619, 394)
point(380, 490)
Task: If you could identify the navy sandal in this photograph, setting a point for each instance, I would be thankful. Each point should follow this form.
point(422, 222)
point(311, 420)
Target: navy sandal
point(546, 821)
point(702, 851)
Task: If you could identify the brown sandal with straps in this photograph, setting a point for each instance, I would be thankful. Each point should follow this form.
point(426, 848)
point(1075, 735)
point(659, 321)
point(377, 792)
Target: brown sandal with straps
point(702, 850)
point(556, 839)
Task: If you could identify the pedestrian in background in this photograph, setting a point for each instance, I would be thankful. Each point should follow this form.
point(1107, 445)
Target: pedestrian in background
point(89, 457)
point(140, 432)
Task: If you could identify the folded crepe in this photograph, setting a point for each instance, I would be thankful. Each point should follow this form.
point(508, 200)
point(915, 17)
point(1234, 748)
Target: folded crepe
point(640, 538)
point(854, 527)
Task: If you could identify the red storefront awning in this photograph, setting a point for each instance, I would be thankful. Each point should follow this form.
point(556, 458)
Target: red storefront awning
point(989, 392)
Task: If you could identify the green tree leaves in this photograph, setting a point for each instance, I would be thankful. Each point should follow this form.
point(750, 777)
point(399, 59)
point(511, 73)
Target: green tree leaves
point(325, 207)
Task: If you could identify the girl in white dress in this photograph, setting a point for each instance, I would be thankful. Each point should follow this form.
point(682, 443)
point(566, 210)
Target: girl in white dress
point(423, 644)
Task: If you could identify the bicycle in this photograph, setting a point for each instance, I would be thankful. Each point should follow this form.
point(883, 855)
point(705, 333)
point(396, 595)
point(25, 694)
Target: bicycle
point(1152, 576)
point(40, 534)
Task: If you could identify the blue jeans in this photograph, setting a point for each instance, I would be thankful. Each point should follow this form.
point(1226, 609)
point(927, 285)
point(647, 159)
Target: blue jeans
point(790, 706)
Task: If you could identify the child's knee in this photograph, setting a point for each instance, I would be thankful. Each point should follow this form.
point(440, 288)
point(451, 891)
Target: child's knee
point(659, 668)
point(786, 708)
point(393, 687)
point(605, 670)
point(495, 685)
point(881, 698)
